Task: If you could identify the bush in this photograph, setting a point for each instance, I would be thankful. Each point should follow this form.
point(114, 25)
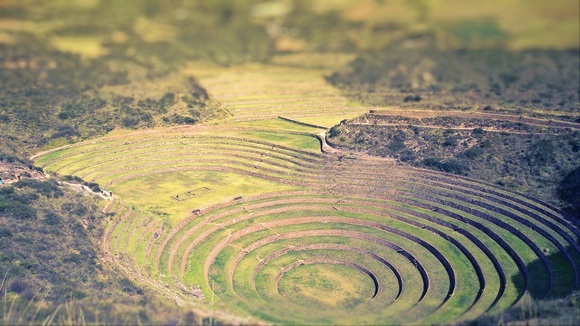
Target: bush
point(450, 141)
point(569, 190)
point(51, 218)
point(448, 132)
point(72, 178)
point(9, 158)
point(130, 122)
point(80, 210)
point(26, 198)
point(450, 166)
point(5, 232)
point(94, 186)
point(189, 121)
point(412, 98)
point(67, 292)
point(128, 286)
point(485, 144)
point(540, 152)
point(17, 210)
point(478, 131)
point(396, 145)
point(49, 188)
point(407, 156)
point(29, 295)
point(18, 286)
point(472, 153)
point(333, 132)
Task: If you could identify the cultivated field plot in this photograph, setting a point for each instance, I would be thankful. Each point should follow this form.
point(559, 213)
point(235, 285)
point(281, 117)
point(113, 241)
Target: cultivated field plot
point(288, 234)
point(256, 92)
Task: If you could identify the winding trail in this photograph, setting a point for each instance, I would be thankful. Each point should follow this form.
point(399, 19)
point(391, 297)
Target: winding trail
point(471, 114)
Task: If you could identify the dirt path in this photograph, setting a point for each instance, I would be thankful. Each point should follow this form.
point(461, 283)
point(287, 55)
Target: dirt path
point(394, 125)
point(85, 189)
point(470, 114)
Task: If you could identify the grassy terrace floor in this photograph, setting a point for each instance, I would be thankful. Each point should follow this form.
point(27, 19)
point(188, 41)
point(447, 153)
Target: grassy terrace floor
point(270, 228)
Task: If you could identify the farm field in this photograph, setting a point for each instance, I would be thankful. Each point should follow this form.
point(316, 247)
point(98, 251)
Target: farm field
point(257, 217)
point(258, 92)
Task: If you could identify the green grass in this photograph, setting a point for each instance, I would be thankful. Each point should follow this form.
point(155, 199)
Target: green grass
point(153, 192)
point(270, 91)
point(257, 221)
point(251, 259)
point(277, 125)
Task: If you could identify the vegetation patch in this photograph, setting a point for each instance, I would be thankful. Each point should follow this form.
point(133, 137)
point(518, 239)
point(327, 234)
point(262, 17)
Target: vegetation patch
point(51, 266)
point(533, 159)
point(498, 78)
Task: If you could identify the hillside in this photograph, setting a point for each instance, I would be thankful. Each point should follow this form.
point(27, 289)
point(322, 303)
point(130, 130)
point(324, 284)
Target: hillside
point(53, 269)
point(527, 157)
point(50, 98)
point(418, 73)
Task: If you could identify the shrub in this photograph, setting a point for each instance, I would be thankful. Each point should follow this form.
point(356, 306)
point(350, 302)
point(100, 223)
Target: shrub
point(450, 166)
point(72, 178)
point(472, 153)
point(128, 286)
point(9, 158)
point(17, 210)
point(569, 190)
point(63, 115)
point(17, 285)
point(167, 100)
point(540, 152)
point(5, 232)
point(49, 188)
point(485, 144)
point(80, 210)
point(396, 145)
point(94, 186)
point(29, 295)
point(179, 119)
point(412, 98)
point(333, 132)
point(448, 132)
point(450, 142)
point(130, 122)
point(189, 121)
point(360, 138)
point(51, 218)
point(25, 198)
point(407, 155)
point(67, 292)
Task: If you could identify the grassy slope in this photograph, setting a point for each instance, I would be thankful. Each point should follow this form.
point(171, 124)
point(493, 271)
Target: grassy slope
point(153, 193)
point(50, 265)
